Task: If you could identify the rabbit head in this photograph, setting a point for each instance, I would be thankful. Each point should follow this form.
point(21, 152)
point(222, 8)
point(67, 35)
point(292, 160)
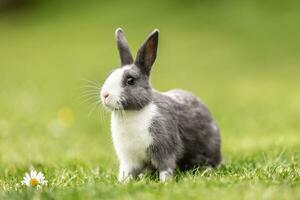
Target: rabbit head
point(128, 87)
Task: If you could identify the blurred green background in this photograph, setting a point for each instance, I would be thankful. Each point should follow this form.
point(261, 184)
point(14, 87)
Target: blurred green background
point(240, 57)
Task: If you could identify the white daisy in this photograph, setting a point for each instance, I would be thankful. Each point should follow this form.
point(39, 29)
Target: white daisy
point(34, 179)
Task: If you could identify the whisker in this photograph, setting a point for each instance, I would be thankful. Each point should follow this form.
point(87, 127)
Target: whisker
point(90, 88)
point(89, 85)
point(93, 83)
point(101, 111)
point(121, 107)
point(93, 107)
point(87, 90)
point(88, 99)
point(89, 95)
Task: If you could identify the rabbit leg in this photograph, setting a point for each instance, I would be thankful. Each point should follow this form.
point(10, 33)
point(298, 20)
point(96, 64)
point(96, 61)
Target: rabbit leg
point(165, 164)
point(128, 172)
point(165, 175)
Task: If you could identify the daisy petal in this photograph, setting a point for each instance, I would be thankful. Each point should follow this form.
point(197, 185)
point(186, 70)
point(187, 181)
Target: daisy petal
point(34, 179)
point(39, 175)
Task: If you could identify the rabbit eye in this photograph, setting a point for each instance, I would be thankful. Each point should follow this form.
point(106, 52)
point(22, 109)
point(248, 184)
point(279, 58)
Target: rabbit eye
point(130, 81)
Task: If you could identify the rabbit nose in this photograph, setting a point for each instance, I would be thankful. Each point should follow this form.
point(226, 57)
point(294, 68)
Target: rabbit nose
point(105, 95)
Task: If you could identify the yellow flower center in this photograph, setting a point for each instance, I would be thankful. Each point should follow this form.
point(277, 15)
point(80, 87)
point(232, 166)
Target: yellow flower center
point(34, 182)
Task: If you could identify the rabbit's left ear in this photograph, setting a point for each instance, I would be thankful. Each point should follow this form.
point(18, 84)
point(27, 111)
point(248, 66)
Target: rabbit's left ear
point(124, 51)
point(147, 52)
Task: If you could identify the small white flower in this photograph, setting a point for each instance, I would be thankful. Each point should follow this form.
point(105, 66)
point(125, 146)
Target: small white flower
point(34, 179)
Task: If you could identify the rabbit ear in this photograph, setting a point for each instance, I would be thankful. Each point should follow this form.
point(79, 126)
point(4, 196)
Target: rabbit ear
point(124, 51)
point(147, 52)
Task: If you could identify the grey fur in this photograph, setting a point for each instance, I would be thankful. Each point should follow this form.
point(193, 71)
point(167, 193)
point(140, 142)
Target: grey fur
point(184, 128)
point(147, 53)
point(135, 97)
point(124, 51)
point(185, 135)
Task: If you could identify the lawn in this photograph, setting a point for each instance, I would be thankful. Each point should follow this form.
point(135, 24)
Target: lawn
point(242, 59)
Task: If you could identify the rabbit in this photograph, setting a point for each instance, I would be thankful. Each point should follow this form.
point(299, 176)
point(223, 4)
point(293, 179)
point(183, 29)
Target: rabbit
point(153, 130)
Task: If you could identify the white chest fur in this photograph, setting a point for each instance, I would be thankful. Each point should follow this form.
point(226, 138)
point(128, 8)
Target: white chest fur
point(131, 136)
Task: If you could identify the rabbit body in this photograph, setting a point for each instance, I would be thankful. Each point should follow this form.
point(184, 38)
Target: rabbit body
point(161, 131)
point(131, 137)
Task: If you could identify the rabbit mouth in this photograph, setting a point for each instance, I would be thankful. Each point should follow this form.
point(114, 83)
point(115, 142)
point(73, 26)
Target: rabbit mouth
point(113, 108)
point(112, 105)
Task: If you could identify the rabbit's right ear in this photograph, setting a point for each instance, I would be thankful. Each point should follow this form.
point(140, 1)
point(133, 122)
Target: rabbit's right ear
point(124, 51)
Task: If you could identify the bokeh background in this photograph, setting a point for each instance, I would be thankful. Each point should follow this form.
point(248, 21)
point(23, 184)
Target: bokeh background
point(241, 57)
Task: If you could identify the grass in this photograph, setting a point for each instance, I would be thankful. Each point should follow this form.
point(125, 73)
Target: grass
point(240, 58)
point(250, 177)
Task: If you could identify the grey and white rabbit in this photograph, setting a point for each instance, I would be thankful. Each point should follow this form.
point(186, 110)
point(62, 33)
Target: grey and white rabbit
point(150, 129)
